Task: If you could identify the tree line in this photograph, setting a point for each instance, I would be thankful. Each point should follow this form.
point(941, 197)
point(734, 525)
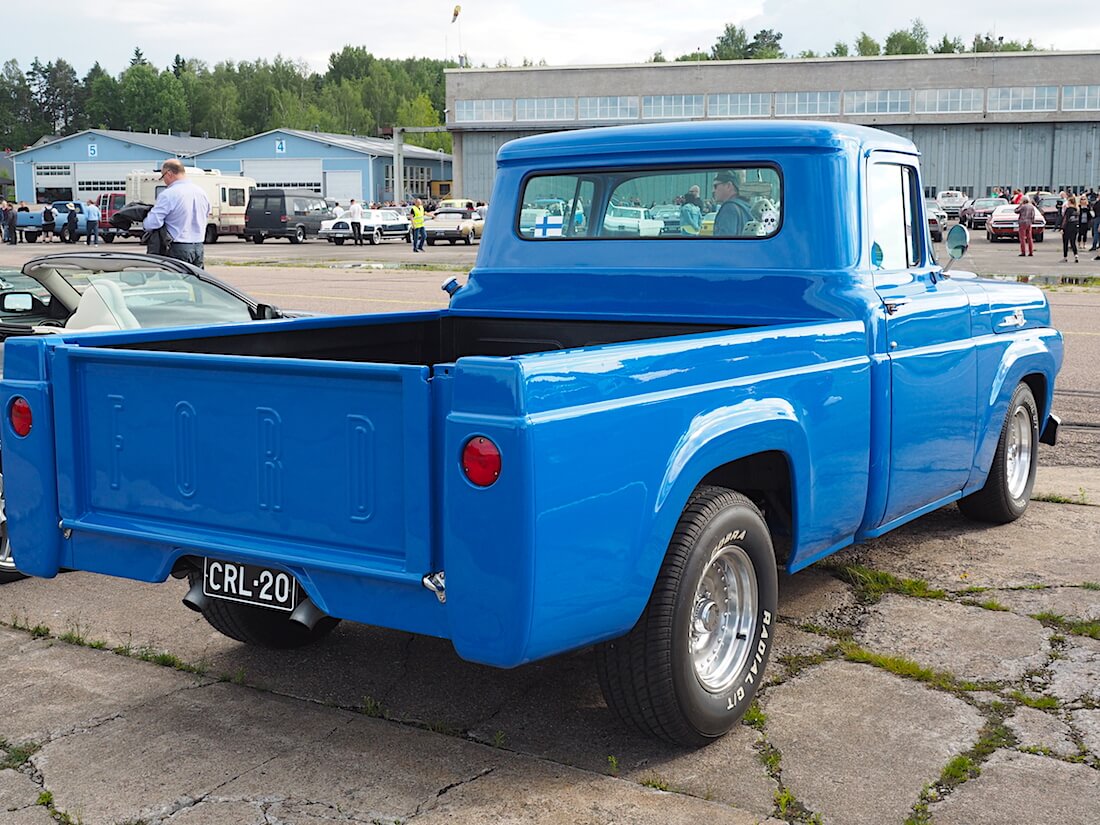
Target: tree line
point(734, 44)
point(357, 94)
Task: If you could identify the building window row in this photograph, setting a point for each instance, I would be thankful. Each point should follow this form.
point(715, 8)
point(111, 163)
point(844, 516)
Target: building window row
point(782, 104)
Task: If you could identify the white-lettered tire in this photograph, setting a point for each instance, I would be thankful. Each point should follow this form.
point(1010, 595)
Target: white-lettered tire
point(690, 667)
point(1007, 490)
point(260, 626)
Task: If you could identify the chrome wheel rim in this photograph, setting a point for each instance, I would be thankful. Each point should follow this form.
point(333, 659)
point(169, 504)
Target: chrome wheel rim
point(7, 563)
point(723, 618)
point(1018, 452)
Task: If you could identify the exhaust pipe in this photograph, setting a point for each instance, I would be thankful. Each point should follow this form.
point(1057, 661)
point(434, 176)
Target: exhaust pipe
point(307, 614)
point(195, 599)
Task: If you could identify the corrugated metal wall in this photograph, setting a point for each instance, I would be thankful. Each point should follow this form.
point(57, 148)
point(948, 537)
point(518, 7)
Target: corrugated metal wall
point(972, 157)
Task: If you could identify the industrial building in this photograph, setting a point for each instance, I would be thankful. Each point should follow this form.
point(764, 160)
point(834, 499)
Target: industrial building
point(979, 120)
point(342, 167)
point(94, 161)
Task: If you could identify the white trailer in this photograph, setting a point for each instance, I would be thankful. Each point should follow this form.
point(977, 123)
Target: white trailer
point(228, 196)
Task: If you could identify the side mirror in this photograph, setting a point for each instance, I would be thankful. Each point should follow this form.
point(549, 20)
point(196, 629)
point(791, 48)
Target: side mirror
point(958, 241)
point(17, 302)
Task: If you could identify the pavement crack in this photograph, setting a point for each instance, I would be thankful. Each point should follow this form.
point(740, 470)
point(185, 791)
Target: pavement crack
point(429, 803)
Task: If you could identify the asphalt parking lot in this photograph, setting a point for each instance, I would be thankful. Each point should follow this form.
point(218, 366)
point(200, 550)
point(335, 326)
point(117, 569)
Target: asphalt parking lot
point(947, 673)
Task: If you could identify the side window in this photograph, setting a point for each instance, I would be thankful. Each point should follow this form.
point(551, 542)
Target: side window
point(236, 197)
point(222, 188)
point(556, 206)
point(892, 210)
point(299, 206)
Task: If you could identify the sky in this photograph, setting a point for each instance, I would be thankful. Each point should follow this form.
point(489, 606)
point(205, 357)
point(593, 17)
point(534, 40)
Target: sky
point(562, 32)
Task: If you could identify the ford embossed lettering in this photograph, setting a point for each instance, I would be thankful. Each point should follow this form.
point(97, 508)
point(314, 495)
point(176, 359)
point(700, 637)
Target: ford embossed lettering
point(249, 584)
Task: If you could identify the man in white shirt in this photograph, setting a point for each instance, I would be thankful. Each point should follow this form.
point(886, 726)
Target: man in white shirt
point(337, 210)
point(92, 215)
point(182, 209)
point(355, 218)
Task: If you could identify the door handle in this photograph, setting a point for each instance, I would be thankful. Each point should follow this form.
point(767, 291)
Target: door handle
point(894, 304)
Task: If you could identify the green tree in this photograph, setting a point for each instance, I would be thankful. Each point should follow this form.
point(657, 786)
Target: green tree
point(139, 58)
point(21, 121)
point(913, 40)
point(420, 112)
point(807, 53)
point(867, 46)
point(695, 56)
point(949, 45)
point(988, 43)
point(138, 92)
point(765, 46)
point(102, 100)
point(170, 113)
point(732, 44)
point(343, 103)
point(840, 49)
point(658, 57)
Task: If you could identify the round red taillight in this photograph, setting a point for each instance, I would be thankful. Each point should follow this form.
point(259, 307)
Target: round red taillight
point(20, 414)
point(481, 461)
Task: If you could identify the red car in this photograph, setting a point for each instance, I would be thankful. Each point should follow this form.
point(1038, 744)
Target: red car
point(976, 212)
point(1004, 224)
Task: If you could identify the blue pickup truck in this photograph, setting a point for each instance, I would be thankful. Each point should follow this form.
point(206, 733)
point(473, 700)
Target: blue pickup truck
point(31, 222)
point(606, 439)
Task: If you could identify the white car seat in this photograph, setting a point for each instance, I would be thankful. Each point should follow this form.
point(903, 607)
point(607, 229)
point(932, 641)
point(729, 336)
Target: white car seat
point(102, 306)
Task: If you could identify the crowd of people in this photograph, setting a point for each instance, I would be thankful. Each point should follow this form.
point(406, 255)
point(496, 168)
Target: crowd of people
point(1078, 218)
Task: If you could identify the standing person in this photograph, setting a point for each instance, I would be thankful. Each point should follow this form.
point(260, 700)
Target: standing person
point(13, 224)
point(1084, 219)
point(92, 215)
point(7, 221)
point(70, 223)
point(418, 232)
point(691, 213)
point(355, 218)
point(1017, 196)
point(337, 210)
point(1069, 229)
point(23, 208)
point(1095, 226)
point(182, 209)
point(734, 212)
point(1026, 216)
point(48, 224)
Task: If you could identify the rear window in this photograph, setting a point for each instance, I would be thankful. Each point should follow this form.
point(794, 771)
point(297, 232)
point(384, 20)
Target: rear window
point(725, 201)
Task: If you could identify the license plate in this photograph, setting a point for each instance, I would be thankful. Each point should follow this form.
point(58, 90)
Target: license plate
point(249, 584)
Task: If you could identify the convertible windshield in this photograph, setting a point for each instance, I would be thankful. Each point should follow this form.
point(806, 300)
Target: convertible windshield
point(158, 297)
point(699, 202)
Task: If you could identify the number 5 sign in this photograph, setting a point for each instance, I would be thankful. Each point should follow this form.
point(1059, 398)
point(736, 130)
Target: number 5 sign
point(93, 150)
point(280, 146)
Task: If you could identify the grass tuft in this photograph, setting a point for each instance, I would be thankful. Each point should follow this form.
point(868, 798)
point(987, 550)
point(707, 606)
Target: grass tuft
point(900, 666)
point(755, 717)
point(872, 585)
point(1091, 585)
point(1036, 702)
point(373, 708)
point(656, 783)
point(15, 756)
point(1078, 627)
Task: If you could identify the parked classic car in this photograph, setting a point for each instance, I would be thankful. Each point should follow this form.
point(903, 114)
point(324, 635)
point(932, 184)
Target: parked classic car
point(951, 201)
point(377, 225)
point(631, 221)
point(453, 225)
point(1051, 207)
point(937, 219)
point(669, 214)
point(977, 211)
point(1004, 224)
point(112, 291)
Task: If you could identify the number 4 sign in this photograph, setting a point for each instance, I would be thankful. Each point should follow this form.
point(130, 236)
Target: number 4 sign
point(280, 146)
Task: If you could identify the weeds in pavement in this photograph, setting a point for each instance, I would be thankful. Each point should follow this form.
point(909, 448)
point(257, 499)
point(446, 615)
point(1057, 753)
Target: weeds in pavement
point(15, 756)
point(872, 585)
point(1078, 627)
point(1036, 702)
point(613, 764)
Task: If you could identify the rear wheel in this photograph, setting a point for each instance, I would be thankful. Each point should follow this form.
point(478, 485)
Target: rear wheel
point(337, 241)
point(211, 234)
point(260, 626)
point(108, 239)
point(376, 237)
point(299, 235)
point(8, 573)
point(690, 667)
point(1007, 490)
point(257, 239)
point(469, 239)
point(30, 237)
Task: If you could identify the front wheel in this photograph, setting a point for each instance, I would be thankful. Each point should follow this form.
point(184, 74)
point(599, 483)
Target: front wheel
point(260, 626)
point(257, 239)
point(376, 237)
point(1007, 490)
point(690, 667)
point(211, 234)
point(299, 235)
point(8, 572)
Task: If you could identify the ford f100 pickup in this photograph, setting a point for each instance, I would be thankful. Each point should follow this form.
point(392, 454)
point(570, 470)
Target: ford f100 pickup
point(609, 437)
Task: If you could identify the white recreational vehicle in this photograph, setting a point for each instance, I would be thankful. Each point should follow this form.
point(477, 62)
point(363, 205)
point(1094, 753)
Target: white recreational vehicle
point(228, 196)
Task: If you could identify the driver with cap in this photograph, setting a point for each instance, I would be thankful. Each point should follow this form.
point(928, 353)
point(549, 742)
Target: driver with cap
point(182, 209)
point(734, 212)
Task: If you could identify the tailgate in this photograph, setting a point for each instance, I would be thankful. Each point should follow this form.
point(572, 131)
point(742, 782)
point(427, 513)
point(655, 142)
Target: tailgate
point(278, 459)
